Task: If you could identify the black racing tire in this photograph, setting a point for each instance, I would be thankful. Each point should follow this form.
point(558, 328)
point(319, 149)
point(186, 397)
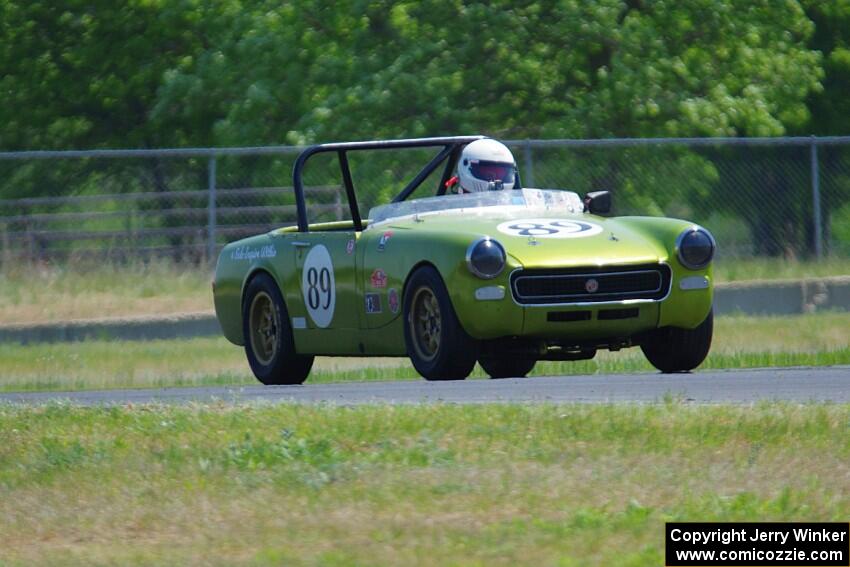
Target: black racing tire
point(672, 349)
point(507, 367)
point(437, 345)
point(269, 344)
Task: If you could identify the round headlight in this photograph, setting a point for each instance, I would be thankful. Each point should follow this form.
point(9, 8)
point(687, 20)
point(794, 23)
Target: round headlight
point(485, 258)
point(695, 248)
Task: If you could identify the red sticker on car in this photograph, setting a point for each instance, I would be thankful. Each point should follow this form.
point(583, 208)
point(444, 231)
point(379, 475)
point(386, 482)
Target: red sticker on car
point(379, 278)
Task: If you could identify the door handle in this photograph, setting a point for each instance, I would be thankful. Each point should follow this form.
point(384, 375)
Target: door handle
point(299, 244)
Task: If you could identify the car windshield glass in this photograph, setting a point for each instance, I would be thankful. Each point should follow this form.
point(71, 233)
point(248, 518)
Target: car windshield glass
point(540, 199)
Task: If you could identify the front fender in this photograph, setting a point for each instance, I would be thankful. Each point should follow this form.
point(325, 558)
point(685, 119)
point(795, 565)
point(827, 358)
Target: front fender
point(234, 270)
point(406, 250)
point(481, 319)
point(685, 308)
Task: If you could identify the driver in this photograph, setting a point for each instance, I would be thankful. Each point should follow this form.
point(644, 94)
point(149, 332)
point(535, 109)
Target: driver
point(484, 165)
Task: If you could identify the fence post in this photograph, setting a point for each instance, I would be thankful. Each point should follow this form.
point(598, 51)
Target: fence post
point(211, 220)
point(6, 257)
point(30, 241)
point(128, 222)
point(528, 174)
point(816, 199)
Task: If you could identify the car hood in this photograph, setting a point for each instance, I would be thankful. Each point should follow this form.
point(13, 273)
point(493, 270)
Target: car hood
point(532, 239)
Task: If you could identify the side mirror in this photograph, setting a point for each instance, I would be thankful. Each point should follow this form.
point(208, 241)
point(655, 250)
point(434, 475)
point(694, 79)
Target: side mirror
point(597, 202)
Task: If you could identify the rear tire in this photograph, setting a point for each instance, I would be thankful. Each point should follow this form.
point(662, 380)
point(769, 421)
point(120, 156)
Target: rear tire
point(269, 344)
point(672, 349)
point(507, 367)
point(437, 345)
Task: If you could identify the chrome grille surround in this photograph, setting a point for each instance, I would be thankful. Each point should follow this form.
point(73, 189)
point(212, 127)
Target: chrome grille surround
point(564, 286)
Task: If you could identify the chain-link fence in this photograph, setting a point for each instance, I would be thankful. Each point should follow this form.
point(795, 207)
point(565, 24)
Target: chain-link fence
point(770, 197)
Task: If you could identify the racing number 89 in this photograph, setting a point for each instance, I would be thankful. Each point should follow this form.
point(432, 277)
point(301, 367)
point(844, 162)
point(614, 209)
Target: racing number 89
point(318, 284)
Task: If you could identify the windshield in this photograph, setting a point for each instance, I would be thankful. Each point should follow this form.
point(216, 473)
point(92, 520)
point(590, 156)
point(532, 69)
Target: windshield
point(544, 200)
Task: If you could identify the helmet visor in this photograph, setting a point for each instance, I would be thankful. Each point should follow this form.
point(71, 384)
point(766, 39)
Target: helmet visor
point(493, 171)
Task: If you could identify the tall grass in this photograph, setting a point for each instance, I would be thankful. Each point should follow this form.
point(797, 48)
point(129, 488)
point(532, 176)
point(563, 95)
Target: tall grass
point(732, 270)
point(48, 293)
point(57, 292)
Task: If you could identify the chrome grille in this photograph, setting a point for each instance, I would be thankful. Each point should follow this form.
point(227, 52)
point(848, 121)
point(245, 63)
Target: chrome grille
point(579, 285)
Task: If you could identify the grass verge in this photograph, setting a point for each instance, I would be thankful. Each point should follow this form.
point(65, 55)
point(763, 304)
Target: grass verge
point(740, 342)
point(381, 485)
point(49, 293)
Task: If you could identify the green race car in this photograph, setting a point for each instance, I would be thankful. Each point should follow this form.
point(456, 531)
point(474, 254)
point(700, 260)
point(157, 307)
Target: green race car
point(500, 277)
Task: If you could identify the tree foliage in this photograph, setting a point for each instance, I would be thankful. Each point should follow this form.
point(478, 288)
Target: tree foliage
point(86, 74)
point(147, 73)
point(830, 105)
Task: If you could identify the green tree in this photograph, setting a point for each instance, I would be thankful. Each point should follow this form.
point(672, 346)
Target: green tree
point(149, 73)
point(576, 69)
point(85, 74)
point(830, 106)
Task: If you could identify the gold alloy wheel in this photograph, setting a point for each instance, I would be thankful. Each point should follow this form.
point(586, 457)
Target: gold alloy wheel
point(425, 323)
point(264, 328)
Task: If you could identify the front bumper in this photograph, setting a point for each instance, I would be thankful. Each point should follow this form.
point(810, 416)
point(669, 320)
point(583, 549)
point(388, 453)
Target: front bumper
point(492, 315)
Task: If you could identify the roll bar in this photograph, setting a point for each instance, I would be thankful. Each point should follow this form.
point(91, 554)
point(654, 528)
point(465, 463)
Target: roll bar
point(452, 146)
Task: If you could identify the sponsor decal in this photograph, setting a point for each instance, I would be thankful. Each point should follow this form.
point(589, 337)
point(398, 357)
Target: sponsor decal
point(252, 252)
point(318, 286)
point(392, 300)
point(591, 285)
point(299, 323)
point(382, 242)
point(379, 278)
point(549, 228)
point(373, 303)
point(349, 248)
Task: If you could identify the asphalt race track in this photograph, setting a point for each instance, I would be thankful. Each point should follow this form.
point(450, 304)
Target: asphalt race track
point(732, 386)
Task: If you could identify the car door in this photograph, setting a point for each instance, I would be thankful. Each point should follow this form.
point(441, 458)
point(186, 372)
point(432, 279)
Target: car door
point(322, 296)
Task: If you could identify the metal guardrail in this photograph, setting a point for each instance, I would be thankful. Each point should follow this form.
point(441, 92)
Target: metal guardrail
point(183, 229)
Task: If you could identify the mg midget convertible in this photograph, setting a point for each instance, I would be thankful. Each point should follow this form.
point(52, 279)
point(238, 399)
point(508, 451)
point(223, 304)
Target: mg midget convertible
point(503, 277)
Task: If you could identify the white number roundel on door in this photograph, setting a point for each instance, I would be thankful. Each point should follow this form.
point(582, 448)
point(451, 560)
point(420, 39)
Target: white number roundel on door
point(549, 228)
point(318, 286)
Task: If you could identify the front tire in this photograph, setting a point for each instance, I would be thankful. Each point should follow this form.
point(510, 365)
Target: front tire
point(672, 349)
point(437, 345)
point(507, 367)
point(269, 344)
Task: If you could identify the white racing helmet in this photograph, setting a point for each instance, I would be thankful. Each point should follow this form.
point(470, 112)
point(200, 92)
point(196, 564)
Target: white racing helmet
point(486, 165)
